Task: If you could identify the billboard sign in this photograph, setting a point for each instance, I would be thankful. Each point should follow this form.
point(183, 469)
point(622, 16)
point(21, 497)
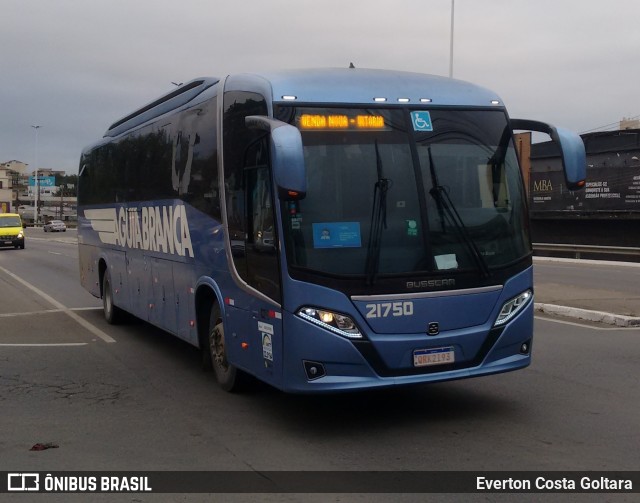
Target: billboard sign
point(612, 189)
point(43, 181)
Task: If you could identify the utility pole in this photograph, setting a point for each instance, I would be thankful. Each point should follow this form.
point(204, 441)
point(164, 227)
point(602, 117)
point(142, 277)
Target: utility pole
point(451, 41)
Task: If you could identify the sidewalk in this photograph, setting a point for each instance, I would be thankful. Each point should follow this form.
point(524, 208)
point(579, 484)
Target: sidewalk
point(599, 303)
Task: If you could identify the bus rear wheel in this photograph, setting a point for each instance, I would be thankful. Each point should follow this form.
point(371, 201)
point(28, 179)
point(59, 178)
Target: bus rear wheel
point(229, 377)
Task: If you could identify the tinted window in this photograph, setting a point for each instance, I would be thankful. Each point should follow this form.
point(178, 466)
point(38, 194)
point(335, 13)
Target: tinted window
point(249, 200)
point(172, 158)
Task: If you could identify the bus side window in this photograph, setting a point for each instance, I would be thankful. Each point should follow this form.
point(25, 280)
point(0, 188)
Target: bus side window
point(260, 210)
point(260, 243)
point(248, 194)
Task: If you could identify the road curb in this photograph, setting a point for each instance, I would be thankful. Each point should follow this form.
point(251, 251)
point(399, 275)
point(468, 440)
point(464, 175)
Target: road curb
point(586, 314)
point(583, 261)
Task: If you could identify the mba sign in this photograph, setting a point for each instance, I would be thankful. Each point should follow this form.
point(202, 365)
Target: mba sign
point(608, 190)
point(163, 229)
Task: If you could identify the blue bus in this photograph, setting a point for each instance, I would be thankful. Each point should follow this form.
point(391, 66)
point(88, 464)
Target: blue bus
point(320, 230)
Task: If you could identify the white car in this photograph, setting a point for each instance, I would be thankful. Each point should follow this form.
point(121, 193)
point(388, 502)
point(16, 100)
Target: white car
point(55, 226)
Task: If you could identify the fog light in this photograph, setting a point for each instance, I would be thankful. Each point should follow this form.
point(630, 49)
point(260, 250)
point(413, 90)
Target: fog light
point(314, 370)
point(524, 349)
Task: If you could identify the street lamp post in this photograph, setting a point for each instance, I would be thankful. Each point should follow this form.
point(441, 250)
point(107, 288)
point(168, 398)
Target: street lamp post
point(37, 189)
point(451, 42)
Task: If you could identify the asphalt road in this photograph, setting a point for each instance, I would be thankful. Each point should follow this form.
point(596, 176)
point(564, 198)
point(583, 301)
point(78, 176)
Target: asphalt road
point(133, 398)
point(589, 284)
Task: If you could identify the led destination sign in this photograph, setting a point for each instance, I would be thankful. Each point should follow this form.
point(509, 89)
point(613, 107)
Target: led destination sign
point(340, 122)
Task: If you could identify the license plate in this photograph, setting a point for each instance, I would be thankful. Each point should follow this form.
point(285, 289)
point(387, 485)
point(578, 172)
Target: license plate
point(8, 242)
point(433, 356)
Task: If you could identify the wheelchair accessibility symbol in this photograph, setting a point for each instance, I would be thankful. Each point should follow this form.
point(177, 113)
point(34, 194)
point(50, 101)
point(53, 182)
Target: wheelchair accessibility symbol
point(421, 121)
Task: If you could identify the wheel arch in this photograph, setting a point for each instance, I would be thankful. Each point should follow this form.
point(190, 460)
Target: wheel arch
point(102, 267)
point(207, 296)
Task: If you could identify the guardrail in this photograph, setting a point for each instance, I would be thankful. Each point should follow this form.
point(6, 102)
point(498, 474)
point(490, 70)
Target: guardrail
point(578, 250)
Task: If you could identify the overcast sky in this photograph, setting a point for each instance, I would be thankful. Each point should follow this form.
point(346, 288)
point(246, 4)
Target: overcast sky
point(75, 66)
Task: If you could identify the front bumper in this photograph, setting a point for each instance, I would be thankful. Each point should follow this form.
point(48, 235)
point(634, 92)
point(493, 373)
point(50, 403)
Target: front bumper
point(387, 360)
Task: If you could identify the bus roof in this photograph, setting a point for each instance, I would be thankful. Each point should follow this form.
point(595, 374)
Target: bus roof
point(176, 98)
point(356, 86)
point(366, 86)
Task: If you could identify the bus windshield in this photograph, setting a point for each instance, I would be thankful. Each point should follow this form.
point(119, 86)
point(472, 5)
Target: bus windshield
point(402, 192)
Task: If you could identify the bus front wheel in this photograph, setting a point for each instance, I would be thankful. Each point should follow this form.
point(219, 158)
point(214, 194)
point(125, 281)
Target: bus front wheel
point(226, 374)
point(112, 313)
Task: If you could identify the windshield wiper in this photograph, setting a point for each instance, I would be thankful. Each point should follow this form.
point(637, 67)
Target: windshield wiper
point(445, 205)
point(378, 221)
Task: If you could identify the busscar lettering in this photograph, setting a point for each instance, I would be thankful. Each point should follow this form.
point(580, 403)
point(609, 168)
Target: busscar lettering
point(431, 283)
point(163, 229)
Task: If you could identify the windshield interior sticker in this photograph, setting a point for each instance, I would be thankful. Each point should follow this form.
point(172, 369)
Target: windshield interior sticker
point(337, 235)
point(444, 262)
point(412, 228)
point(421, 121)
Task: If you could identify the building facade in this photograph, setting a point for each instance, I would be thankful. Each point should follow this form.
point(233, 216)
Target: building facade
point(6, 192)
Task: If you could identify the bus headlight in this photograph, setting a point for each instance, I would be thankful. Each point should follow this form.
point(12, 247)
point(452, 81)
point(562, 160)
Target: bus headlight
point(513, 307)
point(332, 321)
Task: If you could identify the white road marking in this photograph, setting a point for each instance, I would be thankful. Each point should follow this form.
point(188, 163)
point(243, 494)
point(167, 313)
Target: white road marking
point(584, 325)
point(46, 345)
point(48, 311)
point(84, 323)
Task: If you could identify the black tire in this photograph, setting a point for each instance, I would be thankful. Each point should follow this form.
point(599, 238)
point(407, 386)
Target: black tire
point(112, 313)
point(229, 377)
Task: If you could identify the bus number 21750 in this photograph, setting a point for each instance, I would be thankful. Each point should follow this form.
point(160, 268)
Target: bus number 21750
point(386, 309)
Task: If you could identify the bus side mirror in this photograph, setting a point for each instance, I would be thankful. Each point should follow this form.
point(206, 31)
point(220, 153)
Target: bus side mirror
point(287, 157)
point(572, 152)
